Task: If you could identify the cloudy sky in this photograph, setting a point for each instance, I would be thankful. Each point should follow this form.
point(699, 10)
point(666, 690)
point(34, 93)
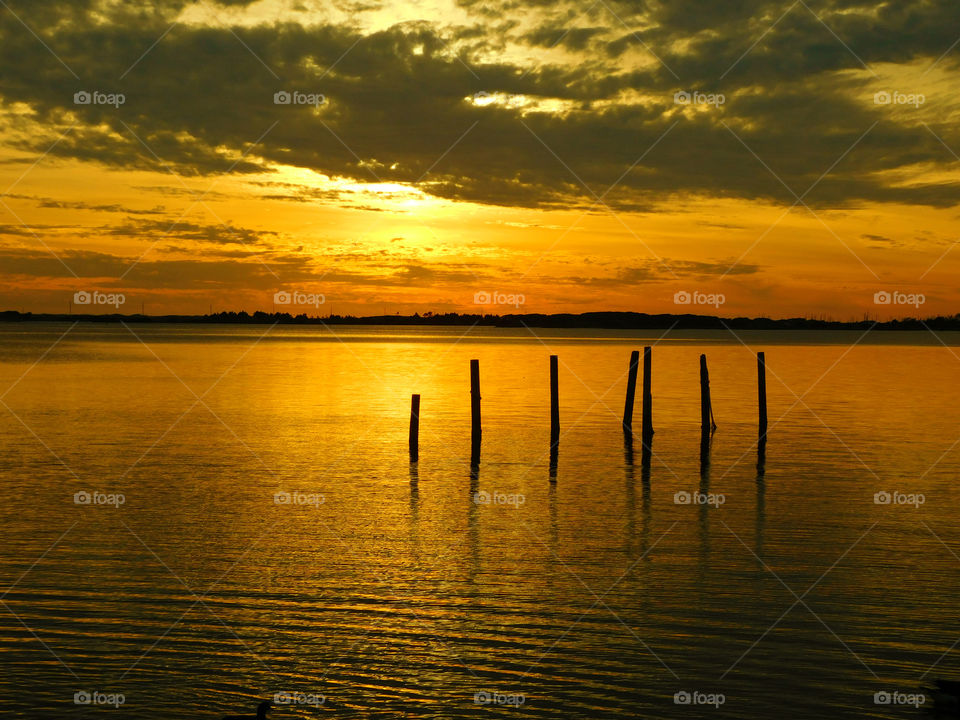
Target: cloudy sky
point(783, 158)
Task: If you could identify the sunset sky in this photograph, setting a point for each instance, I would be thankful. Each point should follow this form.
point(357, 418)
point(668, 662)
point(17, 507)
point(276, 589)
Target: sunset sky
point(790, 159)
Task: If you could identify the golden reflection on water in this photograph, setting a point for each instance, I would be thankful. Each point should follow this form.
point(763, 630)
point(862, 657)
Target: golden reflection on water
point(395, 591)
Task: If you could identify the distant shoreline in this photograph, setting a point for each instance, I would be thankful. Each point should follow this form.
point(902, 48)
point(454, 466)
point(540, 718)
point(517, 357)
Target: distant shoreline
point(590, 320)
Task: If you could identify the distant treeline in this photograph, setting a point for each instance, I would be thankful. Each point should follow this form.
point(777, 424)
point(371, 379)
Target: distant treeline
point(600, 320)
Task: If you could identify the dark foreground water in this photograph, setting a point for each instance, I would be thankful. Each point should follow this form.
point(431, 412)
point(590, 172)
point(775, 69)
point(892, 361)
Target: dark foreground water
point(197, 518)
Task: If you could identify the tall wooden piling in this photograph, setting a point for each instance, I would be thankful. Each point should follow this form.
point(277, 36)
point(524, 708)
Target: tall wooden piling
point(631, 392)
point(762, 393)
point(554, 403)
point(475, 431)
point(647, 422)
point(707, 424)
point(414, 428)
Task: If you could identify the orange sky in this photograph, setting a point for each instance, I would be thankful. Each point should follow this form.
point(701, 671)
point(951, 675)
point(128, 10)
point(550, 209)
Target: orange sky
point(543, 158)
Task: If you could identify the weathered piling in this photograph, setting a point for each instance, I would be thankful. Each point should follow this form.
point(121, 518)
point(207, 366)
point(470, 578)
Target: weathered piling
point(554, 404)
point(647, 422)
point(707, 424)
point(475, 431)
point(631, 392)
point(762, 393)
point(414, 428)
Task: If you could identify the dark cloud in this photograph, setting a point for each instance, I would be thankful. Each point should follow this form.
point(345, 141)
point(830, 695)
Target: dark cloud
point(253, 269)
point(45, 202)
point(206, 195)
point(215, 234)
point(559, 36)
point(202, 100)
point(662, 270)
point(115, 271)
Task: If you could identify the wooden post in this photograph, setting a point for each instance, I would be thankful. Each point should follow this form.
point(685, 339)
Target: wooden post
point(414, 428)
point(647, 423)
point(707, 425)
point(475, 431)
point(762, 392)
point(631, 392)
point(554, 403)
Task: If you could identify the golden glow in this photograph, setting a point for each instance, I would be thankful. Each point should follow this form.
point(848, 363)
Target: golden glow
point(369, 236)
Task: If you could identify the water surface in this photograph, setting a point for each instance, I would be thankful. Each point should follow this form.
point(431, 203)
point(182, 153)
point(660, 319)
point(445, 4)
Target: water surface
point(388, 591)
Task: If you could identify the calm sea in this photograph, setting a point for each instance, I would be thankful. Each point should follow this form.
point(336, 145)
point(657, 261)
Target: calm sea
point(196, 518)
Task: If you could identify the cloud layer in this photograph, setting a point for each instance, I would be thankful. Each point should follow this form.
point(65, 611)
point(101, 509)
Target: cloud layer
point(571, 103)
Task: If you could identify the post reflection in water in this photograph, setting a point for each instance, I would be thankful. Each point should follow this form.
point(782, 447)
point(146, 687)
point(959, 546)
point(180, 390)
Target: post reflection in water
point(415, 504)
point(473, 522)
point(761, 494)
point(630, 493)
point(554, 523)
point(646, 453)
point(706, 440)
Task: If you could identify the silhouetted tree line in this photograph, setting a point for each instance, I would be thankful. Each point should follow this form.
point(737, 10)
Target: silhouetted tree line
point(600, 320)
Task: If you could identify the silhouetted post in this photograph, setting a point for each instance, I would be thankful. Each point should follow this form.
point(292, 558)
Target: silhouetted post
point(647, 423)
point(707, 425)
point(554, 403)
point(414, 428)
point(631, 392)
point(762, 392)
point(475, 431)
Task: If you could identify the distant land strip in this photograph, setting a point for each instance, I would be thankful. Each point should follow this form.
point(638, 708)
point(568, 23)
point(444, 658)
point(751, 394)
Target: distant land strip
point(589, 320)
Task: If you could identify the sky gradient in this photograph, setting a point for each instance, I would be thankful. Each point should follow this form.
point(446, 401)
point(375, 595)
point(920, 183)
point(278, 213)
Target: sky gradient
point(754, 158)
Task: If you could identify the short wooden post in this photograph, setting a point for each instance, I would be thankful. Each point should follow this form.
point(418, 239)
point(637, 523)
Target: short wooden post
point(631, 392)
point(554, 403)
point(762, 392)
point(475, 431)
point(647, 423)
point(414, 428)
point(707, 424)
